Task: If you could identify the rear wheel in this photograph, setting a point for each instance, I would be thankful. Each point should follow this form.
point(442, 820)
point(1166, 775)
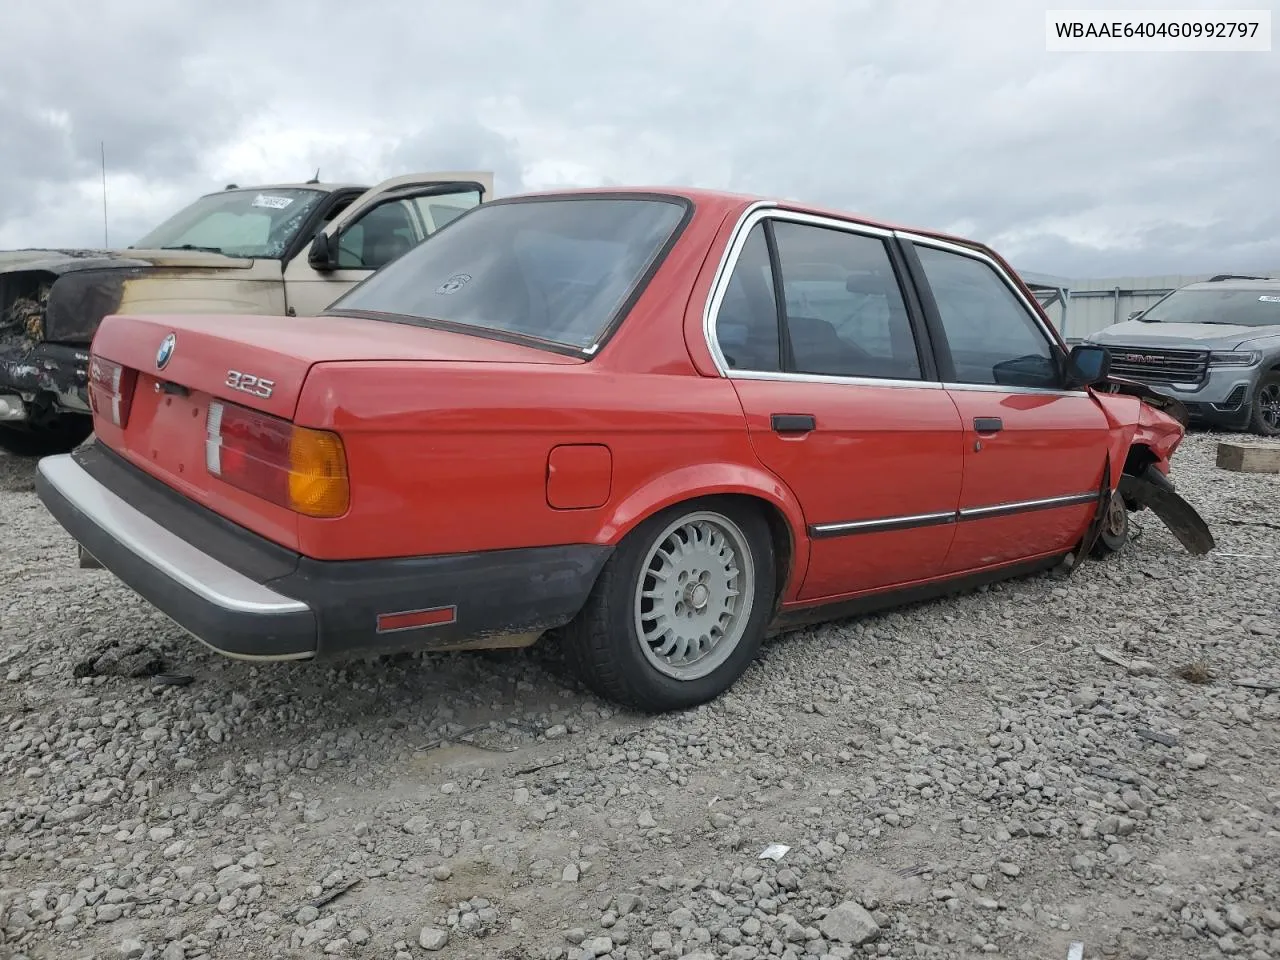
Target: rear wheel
point(1265, 418)
point(679, 610)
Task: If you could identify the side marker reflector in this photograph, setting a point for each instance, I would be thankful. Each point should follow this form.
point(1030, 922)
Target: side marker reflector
point(417, 619)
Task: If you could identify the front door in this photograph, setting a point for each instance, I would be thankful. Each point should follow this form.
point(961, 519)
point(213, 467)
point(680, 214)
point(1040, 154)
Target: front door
point(838, 401)
point(381, 224)
point(1034, 451)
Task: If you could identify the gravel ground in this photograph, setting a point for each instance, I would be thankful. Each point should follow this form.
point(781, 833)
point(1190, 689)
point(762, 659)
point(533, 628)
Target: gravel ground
point(958, 779)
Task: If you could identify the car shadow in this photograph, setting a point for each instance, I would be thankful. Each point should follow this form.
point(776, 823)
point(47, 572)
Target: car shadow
point(17, 474)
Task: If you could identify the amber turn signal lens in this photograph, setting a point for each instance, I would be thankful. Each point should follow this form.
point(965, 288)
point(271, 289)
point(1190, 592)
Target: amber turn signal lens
point(318, 484)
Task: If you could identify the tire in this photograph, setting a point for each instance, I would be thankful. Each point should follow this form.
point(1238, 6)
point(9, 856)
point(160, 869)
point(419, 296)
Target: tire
point(61, 435)
point(604, 644)
point(1115, 529)
point(1264, 415)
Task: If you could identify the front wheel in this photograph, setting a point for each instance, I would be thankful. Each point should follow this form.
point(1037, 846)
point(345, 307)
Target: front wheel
point(1115, 528)
point(679, 610)
point(1265, 418)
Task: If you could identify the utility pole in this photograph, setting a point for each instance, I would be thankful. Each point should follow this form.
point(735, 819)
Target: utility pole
point(106, 242)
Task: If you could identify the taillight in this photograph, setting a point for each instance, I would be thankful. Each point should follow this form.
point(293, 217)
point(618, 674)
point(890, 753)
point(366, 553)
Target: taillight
point(299, 468)
point(111, 389)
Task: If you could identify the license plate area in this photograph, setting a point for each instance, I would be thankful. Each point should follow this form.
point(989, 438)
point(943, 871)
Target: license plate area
point(167, 428)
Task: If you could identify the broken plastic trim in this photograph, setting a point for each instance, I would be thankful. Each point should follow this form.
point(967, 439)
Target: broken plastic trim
point(1099, 517)
point(1153, 490)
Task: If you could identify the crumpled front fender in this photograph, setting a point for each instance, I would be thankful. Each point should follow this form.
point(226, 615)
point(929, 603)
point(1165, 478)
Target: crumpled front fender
point(1141, 417)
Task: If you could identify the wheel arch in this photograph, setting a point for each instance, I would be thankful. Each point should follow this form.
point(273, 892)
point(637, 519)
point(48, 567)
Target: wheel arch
point(1138, 457)
point(733, 482)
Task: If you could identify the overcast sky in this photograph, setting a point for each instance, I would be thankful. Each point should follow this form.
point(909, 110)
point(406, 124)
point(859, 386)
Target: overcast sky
point(937, 113)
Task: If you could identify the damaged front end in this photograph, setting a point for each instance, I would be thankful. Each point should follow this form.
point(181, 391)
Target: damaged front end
point(51, 303)
point(38, 379)
point(1144, 481)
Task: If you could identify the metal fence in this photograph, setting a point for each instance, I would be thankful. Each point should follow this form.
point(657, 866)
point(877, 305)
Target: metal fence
point(1081, 307)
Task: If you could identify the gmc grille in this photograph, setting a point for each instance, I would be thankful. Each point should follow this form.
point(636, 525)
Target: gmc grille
point(1154, 365)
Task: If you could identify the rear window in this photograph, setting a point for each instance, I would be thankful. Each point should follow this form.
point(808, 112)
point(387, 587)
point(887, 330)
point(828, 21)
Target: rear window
point(556, 270)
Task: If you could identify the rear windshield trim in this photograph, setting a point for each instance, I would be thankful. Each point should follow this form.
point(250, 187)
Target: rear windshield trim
point(521, 339)
point(470, 329)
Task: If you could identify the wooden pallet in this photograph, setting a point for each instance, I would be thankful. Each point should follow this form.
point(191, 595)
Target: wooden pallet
point(1249, 457)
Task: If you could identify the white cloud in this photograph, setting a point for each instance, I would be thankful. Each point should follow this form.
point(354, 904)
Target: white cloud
point(926, 112)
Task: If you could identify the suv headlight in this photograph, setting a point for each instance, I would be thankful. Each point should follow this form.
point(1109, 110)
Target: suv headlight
point(1234, 358)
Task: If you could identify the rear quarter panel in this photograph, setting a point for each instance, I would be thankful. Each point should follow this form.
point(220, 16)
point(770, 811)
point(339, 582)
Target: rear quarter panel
point(450, 457)
point(453, 457)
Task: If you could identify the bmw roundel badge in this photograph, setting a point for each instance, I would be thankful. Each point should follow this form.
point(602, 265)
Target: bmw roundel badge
point(165, 352)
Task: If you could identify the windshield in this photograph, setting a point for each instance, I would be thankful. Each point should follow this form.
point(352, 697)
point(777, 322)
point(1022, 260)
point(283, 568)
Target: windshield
point(556, 270)
point(1246, 308)
point(239, 223)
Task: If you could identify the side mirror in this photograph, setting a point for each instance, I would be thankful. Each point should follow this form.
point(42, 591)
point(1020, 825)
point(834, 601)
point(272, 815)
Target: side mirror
point(1135, 314)
point(1087, 364)
point(323, 254)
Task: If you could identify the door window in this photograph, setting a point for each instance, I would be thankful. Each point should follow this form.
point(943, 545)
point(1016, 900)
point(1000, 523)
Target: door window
point(845, 314)
point(747, 323)
point(993, 338)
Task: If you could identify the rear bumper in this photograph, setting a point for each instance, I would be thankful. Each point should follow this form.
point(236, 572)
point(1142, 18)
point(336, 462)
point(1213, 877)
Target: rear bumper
point(248, 598)
point(222, 607)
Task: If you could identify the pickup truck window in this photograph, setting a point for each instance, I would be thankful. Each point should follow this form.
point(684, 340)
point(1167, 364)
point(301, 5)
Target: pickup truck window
point(384, 232)
point(239, 223)
point(1246, 308)
point(557, 271)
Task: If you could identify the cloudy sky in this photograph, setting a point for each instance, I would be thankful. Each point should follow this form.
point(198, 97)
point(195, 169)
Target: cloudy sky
point(939, 113)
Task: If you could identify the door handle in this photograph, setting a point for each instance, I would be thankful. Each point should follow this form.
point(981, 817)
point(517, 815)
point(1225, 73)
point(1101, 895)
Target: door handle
point(988, 424)
point(792, 422)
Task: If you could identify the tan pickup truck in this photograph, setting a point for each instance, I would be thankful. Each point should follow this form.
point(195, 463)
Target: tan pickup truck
point(283, 249)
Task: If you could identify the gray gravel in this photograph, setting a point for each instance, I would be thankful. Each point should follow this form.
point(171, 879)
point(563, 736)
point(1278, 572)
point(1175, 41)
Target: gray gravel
point(959, 779)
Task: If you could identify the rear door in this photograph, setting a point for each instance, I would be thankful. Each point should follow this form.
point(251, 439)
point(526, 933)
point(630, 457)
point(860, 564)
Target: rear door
point(839, 398)
point(384, 222)
point(1034, 451)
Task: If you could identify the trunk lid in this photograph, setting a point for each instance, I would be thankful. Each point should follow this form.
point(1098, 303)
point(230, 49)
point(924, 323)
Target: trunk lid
point(277, 352)
point(258, 362)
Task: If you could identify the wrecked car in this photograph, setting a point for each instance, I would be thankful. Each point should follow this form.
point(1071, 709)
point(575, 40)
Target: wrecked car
point(282, 250)
point(1212, 345)
point(653, 426)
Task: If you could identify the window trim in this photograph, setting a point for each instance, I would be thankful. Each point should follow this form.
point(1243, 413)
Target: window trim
point(767, 211)
point(786, 354)
point(908, 241)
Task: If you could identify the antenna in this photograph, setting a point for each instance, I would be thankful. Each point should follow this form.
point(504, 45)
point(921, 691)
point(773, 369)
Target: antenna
point(316, 178)
point(102, 146)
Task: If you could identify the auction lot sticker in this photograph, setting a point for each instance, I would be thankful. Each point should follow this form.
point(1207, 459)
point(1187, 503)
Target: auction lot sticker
point(275, 203)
